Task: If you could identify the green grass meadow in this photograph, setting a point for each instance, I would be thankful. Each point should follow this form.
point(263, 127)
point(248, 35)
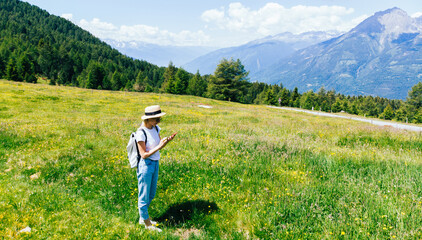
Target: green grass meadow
point(233, 171)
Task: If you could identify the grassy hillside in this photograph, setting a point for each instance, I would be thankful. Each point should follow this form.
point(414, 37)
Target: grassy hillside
point(234, 171)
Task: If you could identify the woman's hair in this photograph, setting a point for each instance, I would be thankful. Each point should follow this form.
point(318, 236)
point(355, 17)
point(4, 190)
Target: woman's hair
point(144, 122)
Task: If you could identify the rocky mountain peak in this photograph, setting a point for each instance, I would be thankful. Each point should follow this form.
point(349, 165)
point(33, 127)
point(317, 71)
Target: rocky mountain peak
point(387, 26)
point(392, 21)
point(396, 21)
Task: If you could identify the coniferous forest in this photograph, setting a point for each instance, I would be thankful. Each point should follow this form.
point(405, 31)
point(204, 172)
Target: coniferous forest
point(35, 44)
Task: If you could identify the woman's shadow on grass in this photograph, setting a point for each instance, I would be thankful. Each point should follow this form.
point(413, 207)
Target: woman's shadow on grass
point(180, 213)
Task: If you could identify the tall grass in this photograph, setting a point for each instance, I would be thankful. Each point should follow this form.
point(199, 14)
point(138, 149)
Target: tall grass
point(233, 172)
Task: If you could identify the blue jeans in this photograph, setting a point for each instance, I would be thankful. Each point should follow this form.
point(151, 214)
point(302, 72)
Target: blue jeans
point(147, 185)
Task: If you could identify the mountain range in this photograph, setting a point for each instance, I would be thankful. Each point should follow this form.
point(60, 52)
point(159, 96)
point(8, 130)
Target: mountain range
point(381, 56)
point(158, 54)
point(259, 54)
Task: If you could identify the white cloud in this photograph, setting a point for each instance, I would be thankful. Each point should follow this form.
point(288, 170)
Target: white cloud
point(97, 27)
point(143, 33)
point(67, 16)
point(274, 18)
point(416, 15)
point(233, 24)
point(213, 15)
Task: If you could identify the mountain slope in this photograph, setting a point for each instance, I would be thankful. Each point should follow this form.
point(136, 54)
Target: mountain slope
point(381, 56)
point(260, 53)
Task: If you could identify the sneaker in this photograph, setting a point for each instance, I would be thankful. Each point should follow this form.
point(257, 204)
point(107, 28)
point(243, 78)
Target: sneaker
point(154, 223)
point(153, 228)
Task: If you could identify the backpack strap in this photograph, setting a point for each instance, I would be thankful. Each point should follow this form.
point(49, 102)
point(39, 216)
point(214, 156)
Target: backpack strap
point(139, 155)
point(146, 139)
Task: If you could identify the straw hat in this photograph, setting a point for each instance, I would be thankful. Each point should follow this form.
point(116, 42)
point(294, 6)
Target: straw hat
point(153, 112)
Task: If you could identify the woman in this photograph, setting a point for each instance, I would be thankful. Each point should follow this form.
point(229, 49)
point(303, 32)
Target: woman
point(149, 145)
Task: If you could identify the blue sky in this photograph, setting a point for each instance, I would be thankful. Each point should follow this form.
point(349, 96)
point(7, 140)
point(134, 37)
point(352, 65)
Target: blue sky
point(217, 23)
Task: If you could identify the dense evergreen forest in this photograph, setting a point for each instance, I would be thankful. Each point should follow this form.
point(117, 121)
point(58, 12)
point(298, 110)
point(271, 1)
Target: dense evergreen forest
point(35, 44)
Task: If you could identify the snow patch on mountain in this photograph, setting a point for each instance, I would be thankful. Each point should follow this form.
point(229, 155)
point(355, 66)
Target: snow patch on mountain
point(396, 22)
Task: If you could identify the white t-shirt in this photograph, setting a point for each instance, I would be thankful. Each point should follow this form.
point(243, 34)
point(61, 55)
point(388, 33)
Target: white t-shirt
point(153, 139)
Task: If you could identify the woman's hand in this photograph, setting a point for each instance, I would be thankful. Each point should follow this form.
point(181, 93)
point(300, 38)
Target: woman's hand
point(163, 143)
point(171, 137)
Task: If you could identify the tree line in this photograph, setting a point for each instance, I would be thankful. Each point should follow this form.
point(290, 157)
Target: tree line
point(36, 44)
point(409, 110)
point(229, 82)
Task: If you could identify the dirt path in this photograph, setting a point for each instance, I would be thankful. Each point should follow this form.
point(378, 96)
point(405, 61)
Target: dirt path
point(372, 121)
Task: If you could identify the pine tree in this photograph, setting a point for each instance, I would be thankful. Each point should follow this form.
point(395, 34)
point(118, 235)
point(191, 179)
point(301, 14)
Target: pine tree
point(418, 116)
point(388, 113)
point(368, 106)
point(415, 96)
point(270, 97)
point(169, 85)
point(46, 58)
point(116, 81)
point(66, 71)
point(181, 81)
point(229, 81)
point(25, 68)
point(96, 75)
point(284, 97)
point(401, 114)
point(295, 99)
point(308, 100)
point(142, 83)
point(11, 70)
point(336, 107)
point(197, 85)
